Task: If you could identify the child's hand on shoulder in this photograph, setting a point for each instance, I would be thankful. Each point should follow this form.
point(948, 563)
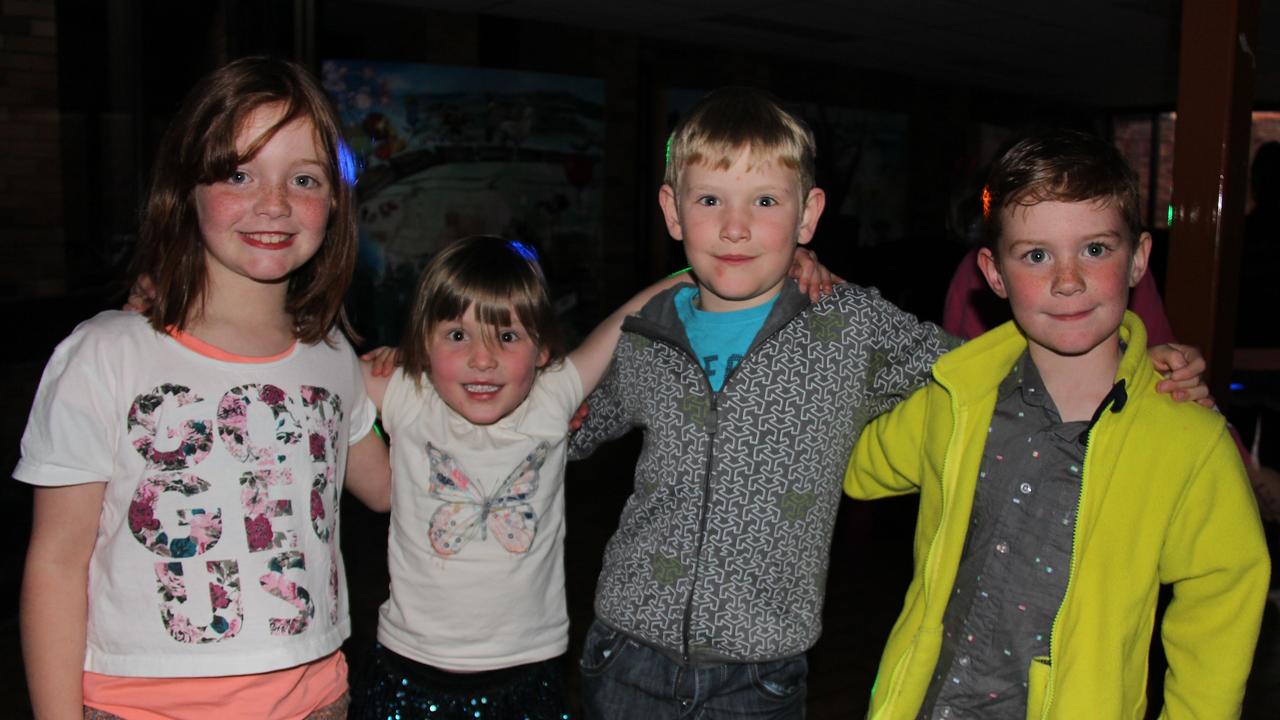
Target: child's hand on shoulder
point(376, 367)
point(141, 295)
point(382, 360)
point(812, 277)
point(1183, 368)
point(579, 417)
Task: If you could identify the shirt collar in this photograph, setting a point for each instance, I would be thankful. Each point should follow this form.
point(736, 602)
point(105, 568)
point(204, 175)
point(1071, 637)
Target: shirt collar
point(1024, 378)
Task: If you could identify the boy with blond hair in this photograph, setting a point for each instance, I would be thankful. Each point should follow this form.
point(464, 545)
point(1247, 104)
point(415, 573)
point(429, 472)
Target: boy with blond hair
point(750, 399)
point(1058, 490)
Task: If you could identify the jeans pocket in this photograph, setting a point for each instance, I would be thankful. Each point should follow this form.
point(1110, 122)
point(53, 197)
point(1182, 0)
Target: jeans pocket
point(780, 679)
point(601, 648)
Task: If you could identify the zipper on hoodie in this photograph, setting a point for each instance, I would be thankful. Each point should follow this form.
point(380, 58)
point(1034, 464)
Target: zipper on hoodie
point(1117, 401)
point(713, 422)
point(712, 428)
point(713, 425)
point(1071, 578)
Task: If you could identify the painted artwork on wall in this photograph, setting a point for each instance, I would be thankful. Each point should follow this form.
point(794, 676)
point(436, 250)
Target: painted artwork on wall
point(447, 152)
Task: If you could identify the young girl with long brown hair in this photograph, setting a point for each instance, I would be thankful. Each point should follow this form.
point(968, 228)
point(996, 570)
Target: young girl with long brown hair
point(188, 461)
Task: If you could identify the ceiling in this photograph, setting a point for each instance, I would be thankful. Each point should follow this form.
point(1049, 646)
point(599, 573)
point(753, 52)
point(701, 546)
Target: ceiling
point(1116, 53)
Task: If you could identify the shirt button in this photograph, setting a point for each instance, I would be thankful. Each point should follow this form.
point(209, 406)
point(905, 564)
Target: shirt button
point(1025, 488)
point(1002, 547)
point(964, 661)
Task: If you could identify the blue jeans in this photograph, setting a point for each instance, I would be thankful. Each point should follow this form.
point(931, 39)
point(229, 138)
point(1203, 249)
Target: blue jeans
point(624, 678)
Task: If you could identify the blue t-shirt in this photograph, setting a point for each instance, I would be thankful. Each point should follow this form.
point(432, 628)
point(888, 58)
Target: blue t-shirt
point(719, 339)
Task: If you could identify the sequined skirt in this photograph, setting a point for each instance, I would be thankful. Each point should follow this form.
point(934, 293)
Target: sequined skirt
point(393, 687)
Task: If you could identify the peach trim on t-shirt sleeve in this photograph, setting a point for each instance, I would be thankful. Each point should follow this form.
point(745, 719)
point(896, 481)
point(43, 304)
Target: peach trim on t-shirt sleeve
point(195, 344)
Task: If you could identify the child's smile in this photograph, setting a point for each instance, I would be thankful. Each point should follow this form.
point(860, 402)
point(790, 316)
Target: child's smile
point(482, 377)
point(1066, 269)
point(740, 227)
point(269, 217)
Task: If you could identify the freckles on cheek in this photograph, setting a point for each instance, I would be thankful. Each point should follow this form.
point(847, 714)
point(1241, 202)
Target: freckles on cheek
point(317, 210)
point(1024, 291)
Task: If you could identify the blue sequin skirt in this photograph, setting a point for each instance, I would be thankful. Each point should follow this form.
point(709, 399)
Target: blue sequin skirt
point(393, 687)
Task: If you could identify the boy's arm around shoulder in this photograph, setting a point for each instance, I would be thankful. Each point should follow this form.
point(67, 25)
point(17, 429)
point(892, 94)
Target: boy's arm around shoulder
point(888, 458)
point(593, 356)
point(606, 418)
point(903, 348)
point(1215, 557)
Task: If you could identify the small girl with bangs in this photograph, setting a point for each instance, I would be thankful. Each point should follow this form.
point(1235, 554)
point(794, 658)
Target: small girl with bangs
point(478, 417)
point(184, 554)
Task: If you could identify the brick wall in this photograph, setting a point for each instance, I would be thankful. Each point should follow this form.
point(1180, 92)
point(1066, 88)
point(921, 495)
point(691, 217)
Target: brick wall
point(32, 254)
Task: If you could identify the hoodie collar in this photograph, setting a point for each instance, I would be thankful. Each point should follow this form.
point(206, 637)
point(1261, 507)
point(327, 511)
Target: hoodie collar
point(659, 318)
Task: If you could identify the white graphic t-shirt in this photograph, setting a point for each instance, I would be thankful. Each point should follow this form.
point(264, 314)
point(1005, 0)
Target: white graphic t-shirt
point(217, 549)
point(477, 527)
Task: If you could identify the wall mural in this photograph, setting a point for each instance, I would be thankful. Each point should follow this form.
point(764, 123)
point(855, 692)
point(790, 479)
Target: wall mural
point(447, 152)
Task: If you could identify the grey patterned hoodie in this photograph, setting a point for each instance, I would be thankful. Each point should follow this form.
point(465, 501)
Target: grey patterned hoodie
point(722, 550)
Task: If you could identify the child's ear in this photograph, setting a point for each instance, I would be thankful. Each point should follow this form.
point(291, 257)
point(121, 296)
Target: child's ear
point(670, 211)
point(1138, 263)
point(813, 206)
point(991, 271)
point(543, 356)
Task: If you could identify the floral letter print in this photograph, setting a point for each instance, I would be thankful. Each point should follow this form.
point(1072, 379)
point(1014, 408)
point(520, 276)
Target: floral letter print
point(324, 416)
point(205, 527)
point(233, 424)
point(259, 509)
point(278, 585)
point(224, 596)
point(195, 437)
point(173, 429)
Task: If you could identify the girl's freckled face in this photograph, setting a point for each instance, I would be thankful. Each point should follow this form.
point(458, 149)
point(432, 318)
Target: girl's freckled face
point(269, 218)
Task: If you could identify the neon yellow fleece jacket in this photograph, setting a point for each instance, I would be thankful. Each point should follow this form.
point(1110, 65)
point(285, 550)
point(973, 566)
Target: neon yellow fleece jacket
point(1164, 499)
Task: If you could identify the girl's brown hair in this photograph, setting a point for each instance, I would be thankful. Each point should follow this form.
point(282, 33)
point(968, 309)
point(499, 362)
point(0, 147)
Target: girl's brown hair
point(199, 148)
point(498, 277)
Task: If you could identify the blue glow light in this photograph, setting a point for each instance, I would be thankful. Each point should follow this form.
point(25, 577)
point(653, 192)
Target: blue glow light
point(348, 165)
point(1235, 387)
point(526, 252)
